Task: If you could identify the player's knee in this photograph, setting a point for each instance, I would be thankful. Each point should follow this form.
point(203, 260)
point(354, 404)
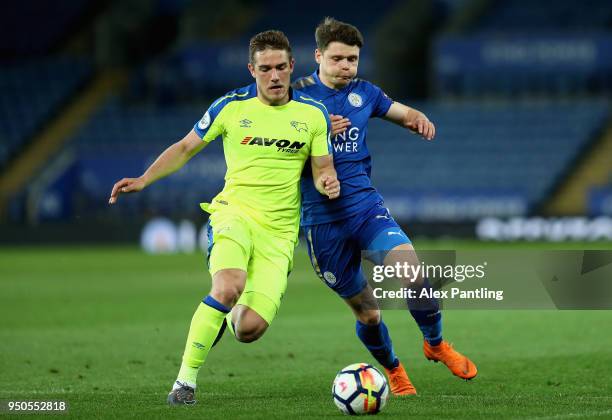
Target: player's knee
point(227, 295)
point(249, 333)
point(228, 286)
point(365, 307)
point(370, 317)
point(249, 325)
point(247, 336)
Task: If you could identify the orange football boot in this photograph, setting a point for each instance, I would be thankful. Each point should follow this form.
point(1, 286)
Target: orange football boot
point(399, 382)
point(458, 364)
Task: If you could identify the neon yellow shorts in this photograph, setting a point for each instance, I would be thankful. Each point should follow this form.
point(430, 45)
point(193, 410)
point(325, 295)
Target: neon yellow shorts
point(238, 242)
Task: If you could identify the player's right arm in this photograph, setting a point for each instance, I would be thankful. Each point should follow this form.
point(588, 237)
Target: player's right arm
point(174, 157)
point(171, 160)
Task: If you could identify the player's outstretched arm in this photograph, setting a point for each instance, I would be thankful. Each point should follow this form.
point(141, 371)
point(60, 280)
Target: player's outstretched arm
point(412, 119)
point(324, 176)
point(171, 160)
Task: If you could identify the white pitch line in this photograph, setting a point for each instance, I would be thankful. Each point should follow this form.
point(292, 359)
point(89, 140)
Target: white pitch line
point(575, 415)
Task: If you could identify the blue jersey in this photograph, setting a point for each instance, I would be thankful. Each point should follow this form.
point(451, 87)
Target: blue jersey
point(359, 101)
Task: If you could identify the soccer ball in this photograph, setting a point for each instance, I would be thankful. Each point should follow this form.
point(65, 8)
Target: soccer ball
point(360, 388)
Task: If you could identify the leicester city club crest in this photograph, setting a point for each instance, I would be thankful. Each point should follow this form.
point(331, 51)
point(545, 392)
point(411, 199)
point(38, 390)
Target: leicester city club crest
point(355, 99)
point(329, 277)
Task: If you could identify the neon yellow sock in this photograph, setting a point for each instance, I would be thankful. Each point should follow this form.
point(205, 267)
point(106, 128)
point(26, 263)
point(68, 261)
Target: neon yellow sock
point(205, 326)
point(230, 325)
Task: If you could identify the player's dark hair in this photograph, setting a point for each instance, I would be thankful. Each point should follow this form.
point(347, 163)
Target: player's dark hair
point(273, 40)
point(332, 30)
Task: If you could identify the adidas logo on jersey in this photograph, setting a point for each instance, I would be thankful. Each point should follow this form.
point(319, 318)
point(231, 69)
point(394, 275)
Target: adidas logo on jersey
point(283, 145)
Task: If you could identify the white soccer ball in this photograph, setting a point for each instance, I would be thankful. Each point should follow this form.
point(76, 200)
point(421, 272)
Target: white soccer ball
point(360, 388)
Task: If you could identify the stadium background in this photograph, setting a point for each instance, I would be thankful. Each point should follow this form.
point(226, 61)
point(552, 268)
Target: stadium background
point(94, 91)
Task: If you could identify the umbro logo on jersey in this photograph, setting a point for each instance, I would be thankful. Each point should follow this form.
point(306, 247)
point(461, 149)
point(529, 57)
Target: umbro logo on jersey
point(246, 123)
point(283, 145)
point(393, 233)
point(299, 126)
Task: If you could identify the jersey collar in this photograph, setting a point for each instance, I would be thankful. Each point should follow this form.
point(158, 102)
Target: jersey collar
point(253, 86)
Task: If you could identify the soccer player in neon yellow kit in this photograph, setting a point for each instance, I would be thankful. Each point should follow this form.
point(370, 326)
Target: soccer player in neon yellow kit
point(269, 131)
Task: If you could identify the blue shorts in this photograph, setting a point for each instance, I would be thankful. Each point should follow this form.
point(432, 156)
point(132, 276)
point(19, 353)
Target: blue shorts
point(335, 248)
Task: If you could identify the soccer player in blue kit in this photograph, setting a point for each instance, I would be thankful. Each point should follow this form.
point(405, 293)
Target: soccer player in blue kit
point(338, 231)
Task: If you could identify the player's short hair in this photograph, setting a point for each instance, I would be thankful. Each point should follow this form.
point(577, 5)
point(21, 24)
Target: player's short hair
point(332, 30)
point(273, 40)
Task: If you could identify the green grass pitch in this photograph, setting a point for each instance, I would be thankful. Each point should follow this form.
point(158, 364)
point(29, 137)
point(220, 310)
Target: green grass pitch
point(104, 330)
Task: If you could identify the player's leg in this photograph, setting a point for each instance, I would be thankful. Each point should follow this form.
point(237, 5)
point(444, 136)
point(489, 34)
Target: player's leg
point(374, 335)
point(227, 285)
point(370, 329)
point(228, 262)
point(381, 234)
point(337, 261)
point(246, 324)
point(425, 311)
point(268, 270)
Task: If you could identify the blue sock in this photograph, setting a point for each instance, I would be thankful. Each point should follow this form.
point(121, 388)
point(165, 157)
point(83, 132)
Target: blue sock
point(214, 303)
point(378, 342)
point(426, 313)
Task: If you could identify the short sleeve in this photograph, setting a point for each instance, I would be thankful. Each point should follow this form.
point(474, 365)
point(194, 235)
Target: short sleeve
point(210, 126)
point(321, 143)
point(381, 101)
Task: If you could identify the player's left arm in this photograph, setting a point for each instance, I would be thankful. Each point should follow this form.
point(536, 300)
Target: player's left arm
point(412, 119)
point(324, 175)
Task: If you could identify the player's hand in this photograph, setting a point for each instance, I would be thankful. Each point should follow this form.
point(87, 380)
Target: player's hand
point(331, 186)
point(126, 185)
point(423, 127)
point(339, 124)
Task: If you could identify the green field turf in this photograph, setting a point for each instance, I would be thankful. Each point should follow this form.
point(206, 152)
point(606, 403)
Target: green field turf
point(104, 330)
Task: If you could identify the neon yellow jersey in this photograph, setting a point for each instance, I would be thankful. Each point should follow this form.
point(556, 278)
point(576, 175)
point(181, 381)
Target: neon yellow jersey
point(265, 150)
